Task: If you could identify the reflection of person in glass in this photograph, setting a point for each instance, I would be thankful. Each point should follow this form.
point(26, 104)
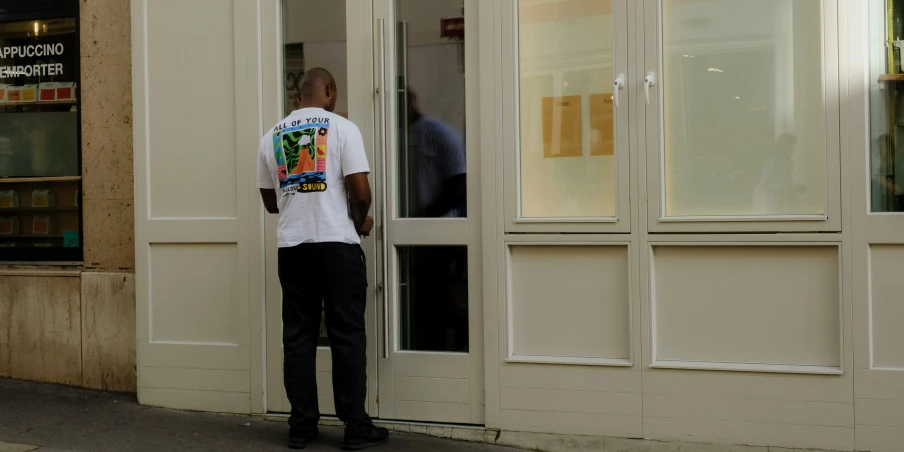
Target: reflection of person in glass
point(436, 153)
point(887, 194)
point(438, 278)
point(776, 192)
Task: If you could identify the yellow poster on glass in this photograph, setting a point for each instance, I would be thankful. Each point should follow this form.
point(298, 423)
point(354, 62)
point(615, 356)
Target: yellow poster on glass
point(562, 127)
point(602, 125)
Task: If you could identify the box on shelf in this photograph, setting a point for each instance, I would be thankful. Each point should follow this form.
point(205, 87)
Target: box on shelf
point(43, 245)
point(9, 225)
point(6, 157)
point(66, 91)
point(29, 93)
point(7, 244)
point(70, 239)
point(43, 198)
point(3, 89)
point(42, 226)
point(9, 199)
point(48, 91)
point(14, 94)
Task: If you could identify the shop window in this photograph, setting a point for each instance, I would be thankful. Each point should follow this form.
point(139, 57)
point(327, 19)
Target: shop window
point(887, 102)
point(567, 157)
point(744, 108)
point(40, 146)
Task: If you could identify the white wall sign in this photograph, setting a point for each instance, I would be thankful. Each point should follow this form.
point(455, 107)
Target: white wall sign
point(32, 51)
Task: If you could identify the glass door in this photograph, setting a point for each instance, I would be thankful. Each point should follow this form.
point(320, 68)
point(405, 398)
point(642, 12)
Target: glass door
point(431, 349)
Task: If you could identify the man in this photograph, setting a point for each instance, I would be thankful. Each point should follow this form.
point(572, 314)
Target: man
point(436, 154)
point(312, 171)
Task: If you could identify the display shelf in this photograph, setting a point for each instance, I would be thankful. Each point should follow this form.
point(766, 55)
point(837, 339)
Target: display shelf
point(30, 236)
point(891, 78)
point(45, 102)
point(39, 209)
point(31, 180)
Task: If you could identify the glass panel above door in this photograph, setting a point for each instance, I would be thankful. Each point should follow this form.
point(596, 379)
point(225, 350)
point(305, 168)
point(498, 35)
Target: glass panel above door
point(314, 36)
point(567, 155)
point(744, 122)
point(430, 83)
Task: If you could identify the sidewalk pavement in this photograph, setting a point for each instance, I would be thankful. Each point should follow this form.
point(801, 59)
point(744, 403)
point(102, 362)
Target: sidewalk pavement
point(51, 418)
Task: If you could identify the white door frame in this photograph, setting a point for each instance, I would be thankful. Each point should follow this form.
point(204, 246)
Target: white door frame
point(426, 374)
point(361, 103)
point(365, 55)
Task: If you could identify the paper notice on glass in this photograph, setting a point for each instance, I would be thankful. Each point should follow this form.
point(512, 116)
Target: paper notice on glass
point(602, 125)
point(562, 127)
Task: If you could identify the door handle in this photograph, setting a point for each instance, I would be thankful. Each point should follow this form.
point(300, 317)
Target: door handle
point(648, 81)
point(384, 211)
point(619, 85)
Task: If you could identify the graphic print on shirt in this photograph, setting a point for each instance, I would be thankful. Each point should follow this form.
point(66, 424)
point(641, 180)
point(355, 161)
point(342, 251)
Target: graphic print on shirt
point(301, 153)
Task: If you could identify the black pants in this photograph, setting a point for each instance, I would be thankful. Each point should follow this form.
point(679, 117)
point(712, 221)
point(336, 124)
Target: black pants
point(331, 275)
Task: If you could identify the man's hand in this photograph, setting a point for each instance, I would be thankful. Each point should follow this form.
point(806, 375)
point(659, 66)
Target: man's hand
point(366, 227)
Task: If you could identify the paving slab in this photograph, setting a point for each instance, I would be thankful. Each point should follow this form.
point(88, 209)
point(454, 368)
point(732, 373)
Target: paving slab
point(66, 419)
point(10, 447)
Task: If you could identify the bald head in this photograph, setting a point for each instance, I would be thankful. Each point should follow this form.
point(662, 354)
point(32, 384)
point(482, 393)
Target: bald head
point(318, 89)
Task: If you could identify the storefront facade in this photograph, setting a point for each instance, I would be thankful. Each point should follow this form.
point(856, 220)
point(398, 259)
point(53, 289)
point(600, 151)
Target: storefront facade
point(667, 231)
point(667, 219)
point(67, 260)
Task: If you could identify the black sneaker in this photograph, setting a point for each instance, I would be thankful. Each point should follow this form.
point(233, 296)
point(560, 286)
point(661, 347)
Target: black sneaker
point(299, 437)
point(357, 438)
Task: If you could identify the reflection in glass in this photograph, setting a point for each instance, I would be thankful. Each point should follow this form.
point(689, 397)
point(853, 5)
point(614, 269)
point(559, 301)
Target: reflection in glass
point(38, 121)
point(567, 148)
point(431, 95)
point(433, 298)
point(40, 216)
point(887, 106)
point(743, 108)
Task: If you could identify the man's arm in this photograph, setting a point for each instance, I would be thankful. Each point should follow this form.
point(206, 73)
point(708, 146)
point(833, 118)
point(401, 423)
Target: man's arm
point(355, 170)
point(265, 180)
point(268, 196)
point(359, 200)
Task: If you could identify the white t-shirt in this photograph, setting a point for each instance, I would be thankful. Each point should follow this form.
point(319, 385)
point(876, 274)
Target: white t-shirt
point(305, 158)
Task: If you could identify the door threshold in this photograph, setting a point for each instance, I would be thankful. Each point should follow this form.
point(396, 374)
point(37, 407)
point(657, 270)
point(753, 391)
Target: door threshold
point(334, 421)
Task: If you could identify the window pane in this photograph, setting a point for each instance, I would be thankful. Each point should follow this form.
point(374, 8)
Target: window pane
point(886, 119)
point(314, 36)
point(39, 128)
point(567, 154)
point(431, 96)
point(743, 108)
point(433, 298)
